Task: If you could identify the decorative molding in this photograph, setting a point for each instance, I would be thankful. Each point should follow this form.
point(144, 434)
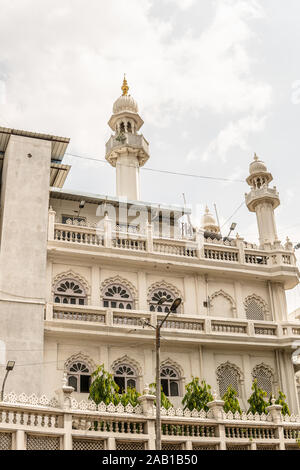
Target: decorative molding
point(80, 357)
point(74, 276)
point(119, 280)
point(164, 285)
point(126, 360)
point(226, 296)
point(174, 365)
point(258, 299)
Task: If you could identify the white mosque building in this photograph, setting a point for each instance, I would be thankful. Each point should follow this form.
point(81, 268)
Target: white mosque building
point(80, 273)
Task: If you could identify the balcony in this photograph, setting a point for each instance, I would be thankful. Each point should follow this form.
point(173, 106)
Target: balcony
point(98, 320)
point(278, 261)
point(134, 141)
point(61, 423)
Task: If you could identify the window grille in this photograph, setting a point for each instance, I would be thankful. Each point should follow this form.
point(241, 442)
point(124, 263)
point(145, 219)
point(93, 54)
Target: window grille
point(117, 296)
point(88, 444)
point(5, 440)
point(79, 377)
point(125, 377)
point(158, 294)
point(42, 442)
point(171, 446)
point(69, 291)
point(254, 310)
point(170, 382)
point(130, 445)
point(227, 376)
point(264, 377)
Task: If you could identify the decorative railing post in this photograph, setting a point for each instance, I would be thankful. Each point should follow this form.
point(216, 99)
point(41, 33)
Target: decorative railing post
point(107, 232)
point(200, 243)
point(147, 402)
point(149, 238)
point(275, 413)
point(51, 223)
point(241, 246)
point(216, 408)
point(65, 400)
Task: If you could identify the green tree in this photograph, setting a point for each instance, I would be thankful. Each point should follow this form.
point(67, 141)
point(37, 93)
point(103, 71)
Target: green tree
point(103, 387)
point(281, 401)
point(130, 397)
point(257, 400)
point(231, 401)
point(197, 395)
point(164, 400)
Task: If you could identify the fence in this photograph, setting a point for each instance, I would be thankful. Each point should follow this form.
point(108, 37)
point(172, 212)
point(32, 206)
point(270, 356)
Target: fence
point(29, 423)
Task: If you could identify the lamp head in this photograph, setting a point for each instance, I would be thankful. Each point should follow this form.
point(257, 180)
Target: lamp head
point(161, 301)
point(175, 305)
point(232, 227)
point(10, 365)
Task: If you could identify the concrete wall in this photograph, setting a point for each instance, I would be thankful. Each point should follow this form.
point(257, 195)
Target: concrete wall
point(24, 213)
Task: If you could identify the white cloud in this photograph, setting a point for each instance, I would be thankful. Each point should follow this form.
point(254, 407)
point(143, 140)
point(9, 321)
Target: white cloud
point(181, 4)
point(64, 64)
point(235, 134)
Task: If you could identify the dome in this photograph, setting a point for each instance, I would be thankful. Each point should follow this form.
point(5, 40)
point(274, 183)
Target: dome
point(257, 166)
point(208, 222)
point(125, 103)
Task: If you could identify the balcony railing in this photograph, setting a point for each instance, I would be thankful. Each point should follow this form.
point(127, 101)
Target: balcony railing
point(32, 423)
point(186, 325)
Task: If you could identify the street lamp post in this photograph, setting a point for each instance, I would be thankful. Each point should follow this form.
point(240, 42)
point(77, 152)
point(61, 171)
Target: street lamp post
point(158, 327)
point(9, 366)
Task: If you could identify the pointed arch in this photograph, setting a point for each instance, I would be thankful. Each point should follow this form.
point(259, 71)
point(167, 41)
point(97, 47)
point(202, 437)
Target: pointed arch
point(256, 308)
point(80, 357)
point(79, 368)
point(228, 299)
point(129, 361)
point(72, 276)
point(265, 376)
point(119, 280)
point(171, 363)
point(163, 289)
point(171, 375)
point(229, 374)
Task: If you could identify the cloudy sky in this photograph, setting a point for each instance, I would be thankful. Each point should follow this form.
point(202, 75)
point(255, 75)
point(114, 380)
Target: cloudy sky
point(215, 80)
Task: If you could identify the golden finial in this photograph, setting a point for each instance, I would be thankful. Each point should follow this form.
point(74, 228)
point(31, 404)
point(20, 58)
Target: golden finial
point(125, 86)
point(255, 157)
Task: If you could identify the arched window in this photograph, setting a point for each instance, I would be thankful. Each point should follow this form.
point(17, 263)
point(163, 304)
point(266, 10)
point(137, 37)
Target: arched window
point(156, 295)
point(122, 127)
point(129, 127)
point(255, 308)
point(228, 375)
point(79, 377)
point(170, 381)
point(265, 378)
point(125, 377)
point(69, 291)
point(117, 296)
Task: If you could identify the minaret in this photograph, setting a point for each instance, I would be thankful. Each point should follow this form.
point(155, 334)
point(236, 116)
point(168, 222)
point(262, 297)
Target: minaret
point(262, 200)
point(127, 150)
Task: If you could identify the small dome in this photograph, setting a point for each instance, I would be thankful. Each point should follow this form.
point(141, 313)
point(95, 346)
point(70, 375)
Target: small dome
point(208, 222)
point(125, 103)
point(257, 166)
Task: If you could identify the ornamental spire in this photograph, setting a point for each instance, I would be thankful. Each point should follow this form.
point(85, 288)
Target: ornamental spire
point(125, 86)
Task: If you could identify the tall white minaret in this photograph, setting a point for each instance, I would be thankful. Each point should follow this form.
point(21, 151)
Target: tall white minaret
point(127, 150)
point(263, 200)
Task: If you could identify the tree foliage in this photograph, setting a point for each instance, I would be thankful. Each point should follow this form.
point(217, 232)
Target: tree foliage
point(197, 395)
point(104, 389)
point(231, 401)
point(281, 400)
point(164, 400)
point(257, 400)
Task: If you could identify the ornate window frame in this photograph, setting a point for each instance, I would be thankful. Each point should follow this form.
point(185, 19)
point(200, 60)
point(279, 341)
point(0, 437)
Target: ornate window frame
point(128, 361)
point(171, 364)
point(79, 358)
point(261, 302)
point(219, 374)
point(71, 275)
point(123, 282)
point(269, 372)
point(224, 294)
point(163, 285)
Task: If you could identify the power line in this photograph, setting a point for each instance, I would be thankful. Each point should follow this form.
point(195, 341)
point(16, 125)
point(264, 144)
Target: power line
point(233, 214)
point(191, 175)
